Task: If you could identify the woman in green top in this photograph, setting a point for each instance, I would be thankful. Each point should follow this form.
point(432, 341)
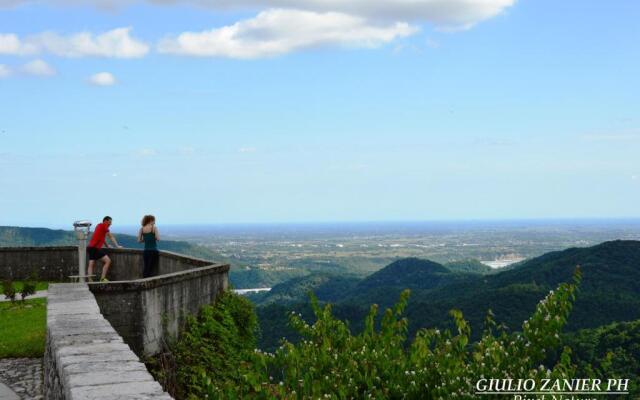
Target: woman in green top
point(150, 236)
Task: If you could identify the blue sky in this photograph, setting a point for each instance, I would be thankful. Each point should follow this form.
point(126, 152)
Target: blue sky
point(298, 111)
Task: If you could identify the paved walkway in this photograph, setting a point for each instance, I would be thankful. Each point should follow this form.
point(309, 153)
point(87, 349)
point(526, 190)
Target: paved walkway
point(6, 393)
point(21, 379)
point(39, 294)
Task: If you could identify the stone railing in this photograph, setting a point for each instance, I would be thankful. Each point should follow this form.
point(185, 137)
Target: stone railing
point(127, 264)
point(84, 357)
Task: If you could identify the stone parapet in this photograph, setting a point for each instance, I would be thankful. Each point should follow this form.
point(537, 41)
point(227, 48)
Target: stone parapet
point(150, 312)
point(84, 357)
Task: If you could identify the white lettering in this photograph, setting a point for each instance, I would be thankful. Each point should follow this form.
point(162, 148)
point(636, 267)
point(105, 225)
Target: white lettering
point(545, 383)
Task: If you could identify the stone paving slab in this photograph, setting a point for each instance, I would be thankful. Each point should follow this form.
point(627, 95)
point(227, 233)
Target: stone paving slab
point(138, 396)
point(115, 356)
point(91, 349)
point(108, 377)
point(97, 338)
point(116, 389)
point(104, 367)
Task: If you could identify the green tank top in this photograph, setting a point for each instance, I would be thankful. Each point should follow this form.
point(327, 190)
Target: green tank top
point(150, 242)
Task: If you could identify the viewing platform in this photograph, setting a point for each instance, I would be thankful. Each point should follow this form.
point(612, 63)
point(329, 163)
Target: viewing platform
point(144, 311)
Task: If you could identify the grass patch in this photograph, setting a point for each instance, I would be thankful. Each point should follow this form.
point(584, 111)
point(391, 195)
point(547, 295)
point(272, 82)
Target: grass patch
point(23, 328)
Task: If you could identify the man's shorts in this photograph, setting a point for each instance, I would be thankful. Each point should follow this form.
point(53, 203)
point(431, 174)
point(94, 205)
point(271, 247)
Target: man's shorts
point(95, 253)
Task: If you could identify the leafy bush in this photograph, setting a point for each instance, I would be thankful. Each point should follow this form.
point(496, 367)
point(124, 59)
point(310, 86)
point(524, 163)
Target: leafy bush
point(214, 346)
point(217, 360)
point(8, 290)
point(29, 286)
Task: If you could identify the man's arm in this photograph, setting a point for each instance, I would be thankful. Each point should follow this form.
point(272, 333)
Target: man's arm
point(113, 240)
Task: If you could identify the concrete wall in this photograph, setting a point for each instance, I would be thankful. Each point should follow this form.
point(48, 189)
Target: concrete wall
point(50, 263)
point(146, 312)
point(84, 357)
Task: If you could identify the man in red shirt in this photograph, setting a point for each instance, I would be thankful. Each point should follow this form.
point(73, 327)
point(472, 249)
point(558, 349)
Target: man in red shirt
point(95, 248)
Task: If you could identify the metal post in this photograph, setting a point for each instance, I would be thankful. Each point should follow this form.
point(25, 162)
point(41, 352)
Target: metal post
point(82, 229)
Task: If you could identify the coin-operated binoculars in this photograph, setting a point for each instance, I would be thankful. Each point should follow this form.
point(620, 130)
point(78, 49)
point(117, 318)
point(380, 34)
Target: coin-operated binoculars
point(82, 229)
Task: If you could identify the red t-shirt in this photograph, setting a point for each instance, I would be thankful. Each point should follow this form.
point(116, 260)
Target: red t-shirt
point(97, 240)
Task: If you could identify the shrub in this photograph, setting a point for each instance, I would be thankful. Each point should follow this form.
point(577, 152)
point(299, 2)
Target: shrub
point(331, 362)
point(29, 286)
point(8, 290)
point(214, 346)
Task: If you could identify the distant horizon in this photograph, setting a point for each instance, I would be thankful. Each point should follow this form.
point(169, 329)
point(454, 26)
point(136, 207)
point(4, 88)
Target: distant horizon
point(381, 223)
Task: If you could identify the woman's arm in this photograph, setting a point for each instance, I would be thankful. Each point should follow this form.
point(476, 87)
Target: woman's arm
point(140, 239)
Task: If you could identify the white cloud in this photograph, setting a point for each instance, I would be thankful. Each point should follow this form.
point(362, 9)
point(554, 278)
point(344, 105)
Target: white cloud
point(247, 150)
point(103, 79)
point(39, 68)
point(116, 43)
point(4, 71)
point(11, 44)
point(280, 27)
point(446, 14)
point(280, 31)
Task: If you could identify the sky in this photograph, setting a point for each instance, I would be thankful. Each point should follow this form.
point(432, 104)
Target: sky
point(265, 111)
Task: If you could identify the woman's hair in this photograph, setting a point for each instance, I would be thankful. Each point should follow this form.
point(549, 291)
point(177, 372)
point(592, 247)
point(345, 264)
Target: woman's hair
point(147, 219)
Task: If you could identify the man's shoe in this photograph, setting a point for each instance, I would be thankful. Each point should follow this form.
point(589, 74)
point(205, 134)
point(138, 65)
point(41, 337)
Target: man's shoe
point(104, 280)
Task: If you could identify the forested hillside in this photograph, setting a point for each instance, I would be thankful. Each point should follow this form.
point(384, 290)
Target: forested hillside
point(610, 291)
point(611, 350)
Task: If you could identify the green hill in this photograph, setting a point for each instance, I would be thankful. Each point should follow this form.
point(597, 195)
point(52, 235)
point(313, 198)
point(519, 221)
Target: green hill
point(409, 273)
point(470, 265)
point(327, 287)
point(610, 291)
point(412, 273)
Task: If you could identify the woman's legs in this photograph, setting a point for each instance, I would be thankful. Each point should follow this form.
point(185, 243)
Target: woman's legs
point(151, 259)
point(155, 260)
point(146, 257)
